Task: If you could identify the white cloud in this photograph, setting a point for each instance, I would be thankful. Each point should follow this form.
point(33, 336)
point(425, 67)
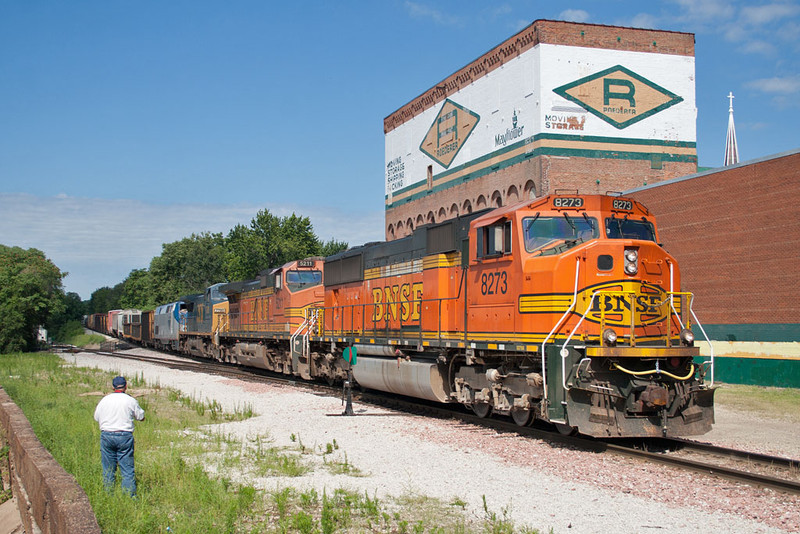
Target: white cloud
point(705, 11)
point(645, 20)
point(778, 85)
point(574, 15)
point(98, 242)
point(501, 9)
point(760, 15)
point(758, 47)
point(417, 10)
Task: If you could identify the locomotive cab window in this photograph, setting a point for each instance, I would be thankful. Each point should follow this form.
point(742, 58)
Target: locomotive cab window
point(554, 235)
point(494, 240)
point(630, 229)
point(297, 280)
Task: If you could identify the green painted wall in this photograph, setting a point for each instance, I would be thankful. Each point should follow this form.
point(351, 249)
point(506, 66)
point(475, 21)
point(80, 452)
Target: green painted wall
point(757, 371)
point(752, 332)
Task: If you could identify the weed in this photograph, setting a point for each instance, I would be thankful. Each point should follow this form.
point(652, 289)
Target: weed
point(461, 504)
point(281, 499)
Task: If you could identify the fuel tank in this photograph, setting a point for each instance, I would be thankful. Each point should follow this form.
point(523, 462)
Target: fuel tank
point(413, 379)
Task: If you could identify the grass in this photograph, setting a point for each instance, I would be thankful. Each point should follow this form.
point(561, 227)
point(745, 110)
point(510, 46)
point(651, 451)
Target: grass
point(765, 401)
point(84, 340)
point(184, 468)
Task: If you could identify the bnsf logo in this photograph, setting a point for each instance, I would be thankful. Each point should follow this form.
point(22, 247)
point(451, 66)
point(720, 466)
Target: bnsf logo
point(400, 301)
point(616, 303)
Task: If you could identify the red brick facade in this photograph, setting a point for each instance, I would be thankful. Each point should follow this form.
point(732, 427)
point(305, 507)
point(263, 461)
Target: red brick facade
point(536, 177)
point(736, 234)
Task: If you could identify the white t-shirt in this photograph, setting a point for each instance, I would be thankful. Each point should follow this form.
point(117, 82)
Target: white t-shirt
point(116, 412)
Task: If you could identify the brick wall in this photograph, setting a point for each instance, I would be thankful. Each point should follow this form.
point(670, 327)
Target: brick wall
point(736, 235)
point(542, 174)
point(49, 499)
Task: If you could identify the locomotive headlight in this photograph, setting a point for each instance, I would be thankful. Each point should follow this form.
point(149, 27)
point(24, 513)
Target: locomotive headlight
point(687, 337)
point(609, 337)
point(631, 261)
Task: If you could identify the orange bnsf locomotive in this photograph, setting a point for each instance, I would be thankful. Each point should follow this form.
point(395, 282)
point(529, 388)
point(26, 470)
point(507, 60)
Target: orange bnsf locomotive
point(563, 308)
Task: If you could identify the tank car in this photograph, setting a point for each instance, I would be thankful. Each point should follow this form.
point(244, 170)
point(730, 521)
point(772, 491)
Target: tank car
point(564, 308)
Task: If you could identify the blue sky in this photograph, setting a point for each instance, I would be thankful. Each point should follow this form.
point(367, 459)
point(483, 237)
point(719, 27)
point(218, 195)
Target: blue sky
point(125, 125)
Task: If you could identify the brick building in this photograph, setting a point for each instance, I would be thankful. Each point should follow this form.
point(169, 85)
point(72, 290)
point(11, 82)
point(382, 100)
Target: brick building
point(559, 105)
point(736, 233)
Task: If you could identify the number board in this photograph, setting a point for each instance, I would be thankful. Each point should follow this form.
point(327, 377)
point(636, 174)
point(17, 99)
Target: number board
point(305, 263)
point(568, 202)
point(622, 204)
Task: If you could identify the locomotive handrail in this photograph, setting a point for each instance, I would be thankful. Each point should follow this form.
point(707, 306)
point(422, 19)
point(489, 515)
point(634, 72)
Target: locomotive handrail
point(569, 337)
point(703, 330)
point(303, 327)
point(691, 310)
point(556, 327)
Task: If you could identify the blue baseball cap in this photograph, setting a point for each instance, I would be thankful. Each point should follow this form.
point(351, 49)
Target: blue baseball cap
point(119, 382)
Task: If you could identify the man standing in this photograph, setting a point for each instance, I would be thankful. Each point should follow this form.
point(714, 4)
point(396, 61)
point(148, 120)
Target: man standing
point(115, 413)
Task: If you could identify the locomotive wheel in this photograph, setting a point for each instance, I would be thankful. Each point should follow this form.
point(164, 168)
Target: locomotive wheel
point(566, 430)
point(522, 416)
point(482, 410)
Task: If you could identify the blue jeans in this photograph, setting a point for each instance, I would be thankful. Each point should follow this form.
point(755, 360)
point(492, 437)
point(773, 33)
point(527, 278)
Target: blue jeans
point(116, 448)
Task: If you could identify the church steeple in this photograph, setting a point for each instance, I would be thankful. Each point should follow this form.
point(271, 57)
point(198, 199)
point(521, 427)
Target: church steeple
point(731, 148)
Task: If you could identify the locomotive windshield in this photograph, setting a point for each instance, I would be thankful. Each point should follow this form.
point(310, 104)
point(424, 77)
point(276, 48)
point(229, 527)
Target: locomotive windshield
point(554, 235)
point(629, 229)
point(296, 280)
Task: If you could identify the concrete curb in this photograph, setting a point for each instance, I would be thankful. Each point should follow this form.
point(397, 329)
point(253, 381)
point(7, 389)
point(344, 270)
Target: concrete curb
point(50, 500)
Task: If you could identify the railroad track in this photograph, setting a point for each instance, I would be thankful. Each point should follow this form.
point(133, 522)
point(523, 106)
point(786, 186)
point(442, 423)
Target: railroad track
point(756, 469)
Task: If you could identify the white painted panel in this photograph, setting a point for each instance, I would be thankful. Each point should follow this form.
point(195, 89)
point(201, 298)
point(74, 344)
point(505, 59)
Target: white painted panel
point(523, 88)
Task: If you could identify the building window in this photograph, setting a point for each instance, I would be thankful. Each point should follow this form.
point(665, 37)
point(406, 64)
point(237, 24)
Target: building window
point(430, 177)
point(530, 190)
point(497, 199)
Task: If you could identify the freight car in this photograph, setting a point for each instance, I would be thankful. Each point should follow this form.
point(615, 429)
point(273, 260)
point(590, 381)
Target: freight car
point(563, 308)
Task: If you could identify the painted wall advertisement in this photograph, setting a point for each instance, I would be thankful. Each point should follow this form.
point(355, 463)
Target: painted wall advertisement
point(555, 92)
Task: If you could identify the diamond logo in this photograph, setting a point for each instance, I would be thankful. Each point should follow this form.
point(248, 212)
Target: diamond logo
point(619, 96)
point(448, 133)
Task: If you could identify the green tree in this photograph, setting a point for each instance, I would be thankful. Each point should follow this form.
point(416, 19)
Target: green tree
point(244, 254)
point(270, 241)
point(333, 247)
point(73, 310)
point(30, 290)
point(138, 291)
point(105, 299)
point(187, 266)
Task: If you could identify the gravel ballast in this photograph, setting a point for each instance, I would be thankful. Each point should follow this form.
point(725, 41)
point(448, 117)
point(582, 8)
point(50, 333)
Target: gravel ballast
point(539, 485)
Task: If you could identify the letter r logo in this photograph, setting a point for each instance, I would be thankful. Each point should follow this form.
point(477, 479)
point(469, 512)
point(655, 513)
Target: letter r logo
point(608, 94)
